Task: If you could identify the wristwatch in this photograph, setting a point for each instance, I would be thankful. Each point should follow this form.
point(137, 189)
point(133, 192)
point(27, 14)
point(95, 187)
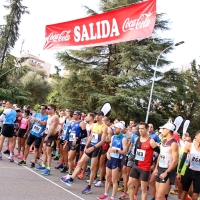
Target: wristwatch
point(117, 151)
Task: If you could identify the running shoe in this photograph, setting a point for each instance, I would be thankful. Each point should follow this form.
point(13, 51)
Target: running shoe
point(87, 172)
point(6, 152)
point(56, 158)
point(40, 168)
point(135, 197)
point(174, 192)
point(102, 197)
point(59, 166)
point(22, 163)
point(46, 172)
point(32, 165)
point(68, 182)
point(31, 151)
point(120, 188)
point(81, 176)
point(16, 155)
point(99, 184)
point(20, 156)
point(123, 195)
point(11, 160)
point(87, 190)
point(94, 181)
point(64, 178)
point(64, 170)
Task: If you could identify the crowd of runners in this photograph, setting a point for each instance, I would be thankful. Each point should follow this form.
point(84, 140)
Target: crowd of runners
point(106, 150)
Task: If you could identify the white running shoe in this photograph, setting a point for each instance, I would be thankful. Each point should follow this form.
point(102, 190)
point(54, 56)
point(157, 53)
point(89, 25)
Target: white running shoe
point(94, 181)
point(99, 184)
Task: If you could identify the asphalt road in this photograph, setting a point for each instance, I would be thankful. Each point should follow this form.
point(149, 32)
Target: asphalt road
point(22, 182)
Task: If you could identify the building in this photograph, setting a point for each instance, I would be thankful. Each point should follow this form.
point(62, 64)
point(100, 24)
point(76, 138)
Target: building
point(35, 63)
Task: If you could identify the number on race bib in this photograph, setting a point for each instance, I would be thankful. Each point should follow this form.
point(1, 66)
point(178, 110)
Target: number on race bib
point(94, 138)
point(72, 136)
point(140, 155)
point(36, 128)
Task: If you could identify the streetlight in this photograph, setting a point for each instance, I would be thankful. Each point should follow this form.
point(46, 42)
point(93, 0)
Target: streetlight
point(154, 76)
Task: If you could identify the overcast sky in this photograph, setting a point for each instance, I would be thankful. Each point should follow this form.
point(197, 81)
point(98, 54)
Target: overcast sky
point(184, 16)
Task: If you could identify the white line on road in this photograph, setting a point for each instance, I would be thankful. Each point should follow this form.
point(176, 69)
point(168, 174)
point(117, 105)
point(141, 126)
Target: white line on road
point(50, 181)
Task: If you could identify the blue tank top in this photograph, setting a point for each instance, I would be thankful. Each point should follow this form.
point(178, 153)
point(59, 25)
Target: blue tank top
point(37, 128)
point(66, 130)
point(10, 117)
point(117, 144)
point(75, 130)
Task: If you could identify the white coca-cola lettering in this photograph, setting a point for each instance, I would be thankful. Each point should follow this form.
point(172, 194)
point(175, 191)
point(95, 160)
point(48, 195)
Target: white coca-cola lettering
point(142, 22)
point(103, 29)
point(62, 37)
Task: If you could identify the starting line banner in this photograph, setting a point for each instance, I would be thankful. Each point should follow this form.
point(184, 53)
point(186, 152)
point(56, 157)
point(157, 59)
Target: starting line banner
point(125, 24)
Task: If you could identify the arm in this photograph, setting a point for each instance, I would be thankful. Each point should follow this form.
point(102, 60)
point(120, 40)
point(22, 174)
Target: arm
point(109, 134)
point(125, 147)
point(186, 151)
point(83, 131)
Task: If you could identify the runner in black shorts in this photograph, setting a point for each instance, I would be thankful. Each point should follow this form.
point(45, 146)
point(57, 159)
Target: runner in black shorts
point(192, 174)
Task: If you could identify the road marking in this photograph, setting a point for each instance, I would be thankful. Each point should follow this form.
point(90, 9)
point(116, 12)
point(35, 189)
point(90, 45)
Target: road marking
point(49, 180)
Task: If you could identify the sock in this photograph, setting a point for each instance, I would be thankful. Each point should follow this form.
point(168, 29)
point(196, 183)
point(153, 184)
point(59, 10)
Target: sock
point(70, 173)
point(48, 168)
point(112, 197)
point(106, 193)
point(11, 155)
point(166, 196)
point(43, 165)
point(89, 186)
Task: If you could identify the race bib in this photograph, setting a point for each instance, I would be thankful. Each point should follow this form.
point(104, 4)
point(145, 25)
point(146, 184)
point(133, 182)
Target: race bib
point(36, 128)
point(115, 155)
point(84, 141)
point(162, 160)
point(95, 138)
point(72, 136)
point(16, 125)
point(140, 155)
point(195, 161)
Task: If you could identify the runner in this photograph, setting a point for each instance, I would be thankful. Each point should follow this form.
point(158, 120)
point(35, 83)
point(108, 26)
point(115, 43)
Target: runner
point(167, 162)
point(105, 146)
point(92, 150)
point(64, 142)
point(90, 122)
point(192, 173)
point(118, 148)
point(39, 121)
point(8, 117)
point(22, 133)
point(50, 136)
point(144, 148)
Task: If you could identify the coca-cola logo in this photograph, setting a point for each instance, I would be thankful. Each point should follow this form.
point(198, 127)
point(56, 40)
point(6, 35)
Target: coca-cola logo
point(142, 22)
point(62, 37)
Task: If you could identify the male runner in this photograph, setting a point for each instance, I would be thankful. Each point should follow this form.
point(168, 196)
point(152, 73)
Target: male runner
point(92, 150)
point(8, 117)
point(167, 162)
point(39, 121)
point(50, 135)
point(144, 148)
point(118, 148)
point(192, 173)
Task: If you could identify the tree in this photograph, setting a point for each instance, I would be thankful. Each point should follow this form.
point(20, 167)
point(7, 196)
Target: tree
point(10, 32)
point(37, 86)
point(118, 73)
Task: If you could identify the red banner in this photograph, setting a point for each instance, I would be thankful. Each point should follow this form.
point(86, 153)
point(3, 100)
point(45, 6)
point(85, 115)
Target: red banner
point(128, 23)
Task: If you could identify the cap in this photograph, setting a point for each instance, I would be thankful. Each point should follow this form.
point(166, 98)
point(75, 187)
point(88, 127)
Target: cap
point(169, 126)
point(186, 134)
point(119, 125)
point(99, 113)
point(78, 112)
point(123, 123)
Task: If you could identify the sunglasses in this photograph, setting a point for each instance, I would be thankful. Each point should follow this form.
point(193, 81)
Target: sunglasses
point(42, 108)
